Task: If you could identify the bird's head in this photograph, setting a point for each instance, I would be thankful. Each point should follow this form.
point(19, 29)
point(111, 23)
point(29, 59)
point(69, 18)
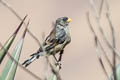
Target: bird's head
point(63, 21)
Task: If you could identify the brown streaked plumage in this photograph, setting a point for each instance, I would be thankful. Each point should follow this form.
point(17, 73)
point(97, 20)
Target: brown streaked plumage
point(55, 42)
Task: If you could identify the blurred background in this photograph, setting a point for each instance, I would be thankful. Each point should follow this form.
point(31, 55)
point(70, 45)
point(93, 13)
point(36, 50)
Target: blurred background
point(80, 61)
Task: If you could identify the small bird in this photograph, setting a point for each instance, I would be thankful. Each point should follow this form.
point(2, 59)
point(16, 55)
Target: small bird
point(55, 42)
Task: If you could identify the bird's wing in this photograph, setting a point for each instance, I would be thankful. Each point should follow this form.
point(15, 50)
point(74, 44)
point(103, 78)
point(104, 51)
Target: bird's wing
point(55, 38)
point(51, 36)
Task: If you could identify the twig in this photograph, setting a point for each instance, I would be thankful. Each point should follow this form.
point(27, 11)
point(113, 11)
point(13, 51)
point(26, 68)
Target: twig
point(17, 15)
point(113, 46)
point(101, 7)
point(113, 40)
point(96, 45)
point(104, 37)
point(54, 70)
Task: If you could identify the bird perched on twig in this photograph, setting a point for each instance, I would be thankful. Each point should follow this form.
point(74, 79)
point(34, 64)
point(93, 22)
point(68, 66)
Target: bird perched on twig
point(55, 42)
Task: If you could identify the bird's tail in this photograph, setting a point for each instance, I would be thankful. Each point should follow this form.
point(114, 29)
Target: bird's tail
point(33, 58)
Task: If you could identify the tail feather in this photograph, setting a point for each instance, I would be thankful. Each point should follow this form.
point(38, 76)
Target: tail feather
point(29, 61)
point(33, 54)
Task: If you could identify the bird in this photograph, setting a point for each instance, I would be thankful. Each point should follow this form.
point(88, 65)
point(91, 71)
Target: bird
point(55, 42)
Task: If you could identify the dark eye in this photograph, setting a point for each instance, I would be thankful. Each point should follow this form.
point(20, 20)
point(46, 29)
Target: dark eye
point(65, 19)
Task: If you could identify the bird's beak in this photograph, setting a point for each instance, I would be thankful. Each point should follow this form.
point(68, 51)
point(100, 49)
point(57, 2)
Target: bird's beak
point(69, 20)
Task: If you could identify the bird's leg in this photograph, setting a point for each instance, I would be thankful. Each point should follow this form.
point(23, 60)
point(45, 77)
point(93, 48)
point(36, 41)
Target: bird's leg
point(60, 57)
point(55, 58)
point(57, 62)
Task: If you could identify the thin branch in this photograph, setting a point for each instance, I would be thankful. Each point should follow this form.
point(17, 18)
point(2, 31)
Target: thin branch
point(92, 4)
point(113, 40)
point(113, 46)
point(96, 45)
point(107, 6)
point(8, 6)
point(103, 35)
point(98, 41)
point(17, 15)
point(54, 69)
point(101, 7)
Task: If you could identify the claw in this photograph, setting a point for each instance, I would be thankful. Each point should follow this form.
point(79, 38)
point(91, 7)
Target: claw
point(59, 64)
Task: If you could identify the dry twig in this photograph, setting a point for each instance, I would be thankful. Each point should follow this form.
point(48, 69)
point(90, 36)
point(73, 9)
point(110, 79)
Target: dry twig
point(97, 15)
point(96, 45)
point(17, 15)
point(54, 69)
point(113, 39)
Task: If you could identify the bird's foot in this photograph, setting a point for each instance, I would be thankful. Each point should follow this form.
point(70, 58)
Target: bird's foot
point(58, 64)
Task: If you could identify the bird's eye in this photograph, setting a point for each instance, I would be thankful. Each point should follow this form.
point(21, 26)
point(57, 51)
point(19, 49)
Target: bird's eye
point(65, 19)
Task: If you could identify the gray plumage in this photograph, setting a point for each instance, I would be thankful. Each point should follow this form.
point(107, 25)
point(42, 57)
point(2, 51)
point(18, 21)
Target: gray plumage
point(55, 41)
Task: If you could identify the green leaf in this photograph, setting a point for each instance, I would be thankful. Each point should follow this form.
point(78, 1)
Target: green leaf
point(53, 77)
point(11, 66)
point(8, 43)
point(118, 73)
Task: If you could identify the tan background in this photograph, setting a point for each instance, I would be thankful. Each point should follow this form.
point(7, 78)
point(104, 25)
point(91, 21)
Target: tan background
point(80, 60)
